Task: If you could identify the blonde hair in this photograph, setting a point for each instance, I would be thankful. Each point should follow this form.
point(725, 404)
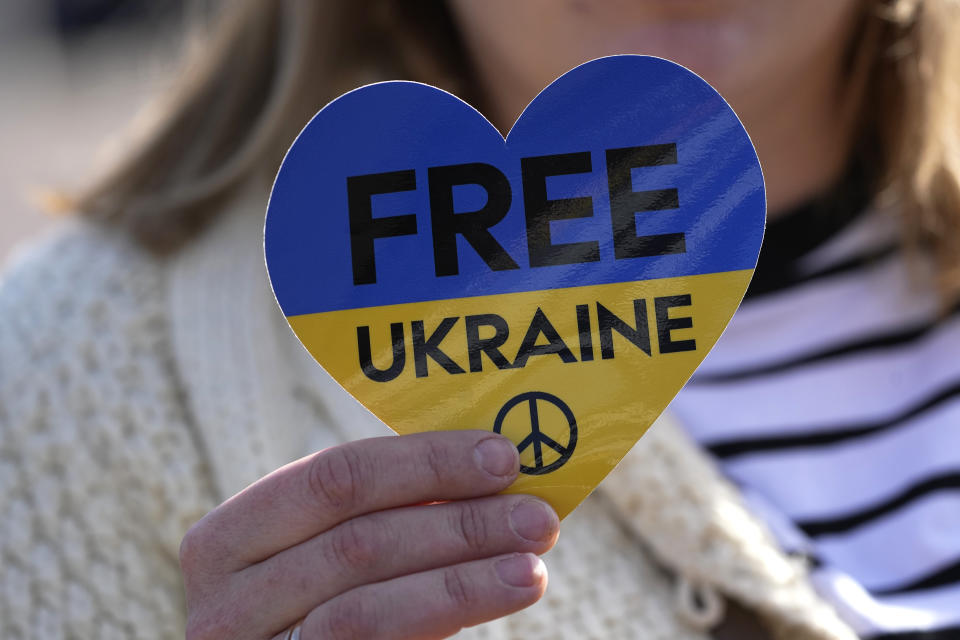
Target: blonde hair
point(270, 64)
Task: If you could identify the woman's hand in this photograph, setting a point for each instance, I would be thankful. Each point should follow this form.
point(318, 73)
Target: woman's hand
point(342, 540)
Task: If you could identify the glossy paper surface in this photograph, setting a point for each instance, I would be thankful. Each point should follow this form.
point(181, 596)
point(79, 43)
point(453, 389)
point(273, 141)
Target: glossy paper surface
point(559, 287)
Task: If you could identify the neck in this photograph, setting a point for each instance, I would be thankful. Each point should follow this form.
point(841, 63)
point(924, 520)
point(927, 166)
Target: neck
point(800, 127)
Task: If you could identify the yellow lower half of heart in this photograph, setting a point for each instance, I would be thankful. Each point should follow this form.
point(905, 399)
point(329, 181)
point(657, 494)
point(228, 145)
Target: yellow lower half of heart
point(573, 376)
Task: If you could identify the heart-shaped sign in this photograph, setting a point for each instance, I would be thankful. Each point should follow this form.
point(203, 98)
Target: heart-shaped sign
point(558, 287)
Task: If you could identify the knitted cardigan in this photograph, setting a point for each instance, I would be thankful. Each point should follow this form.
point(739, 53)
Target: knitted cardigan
point(136, 394)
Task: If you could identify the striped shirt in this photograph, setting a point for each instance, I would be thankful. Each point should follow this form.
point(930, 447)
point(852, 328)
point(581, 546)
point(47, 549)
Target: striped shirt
point(833, 402)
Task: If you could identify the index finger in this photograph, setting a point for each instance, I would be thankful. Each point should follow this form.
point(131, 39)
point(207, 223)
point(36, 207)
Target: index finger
point(315, 493)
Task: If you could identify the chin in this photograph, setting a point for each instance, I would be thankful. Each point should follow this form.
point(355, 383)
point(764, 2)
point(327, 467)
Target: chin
point(725, 55)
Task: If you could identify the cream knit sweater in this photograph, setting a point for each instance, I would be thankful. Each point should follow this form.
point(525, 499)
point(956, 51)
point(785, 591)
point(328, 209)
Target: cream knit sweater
point(136, 395)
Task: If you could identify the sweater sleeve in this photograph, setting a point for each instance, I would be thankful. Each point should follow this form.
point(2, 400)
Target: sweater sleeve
point(99, 472)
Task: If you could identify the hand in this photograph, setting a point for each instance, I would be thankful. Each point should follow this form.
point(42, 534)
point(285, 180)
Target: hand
point(342, 539)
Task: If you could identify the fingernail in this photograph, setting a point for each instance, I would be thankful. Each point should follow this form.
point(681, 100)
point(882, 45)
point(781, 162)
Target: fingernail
point(520, 570)
point(497, 456)
point(533, 520)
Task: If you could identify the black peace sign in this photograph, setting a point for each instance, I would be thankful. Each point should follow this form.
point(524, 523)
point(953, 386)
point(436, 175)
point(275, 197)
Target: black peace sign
point(536, 437)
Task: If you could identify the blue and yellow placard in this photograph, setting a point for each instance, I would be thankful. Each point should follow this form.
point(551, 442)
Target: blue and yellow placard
point(559, 286)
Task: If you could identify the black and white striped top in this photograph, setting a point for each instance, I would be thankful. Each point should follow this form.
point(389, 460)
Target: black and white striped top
point(833, 401)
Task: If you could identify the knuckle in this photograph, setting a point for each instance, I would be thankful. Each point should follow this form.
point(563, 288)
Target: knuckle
point(457, 588)
point(355, 546)
point(471, 526)
point(336, 478)
point(435, 462)
point(192, 547)
point(350, 617)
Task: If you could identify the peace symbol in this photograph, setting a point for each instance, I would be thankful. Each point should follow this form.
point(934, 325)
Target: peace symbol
point(536, 437)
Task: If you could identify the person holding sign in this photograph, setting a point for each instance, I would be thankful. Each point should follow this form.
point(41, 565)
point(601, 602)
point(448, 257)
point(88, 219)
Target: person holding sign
point(803, 485)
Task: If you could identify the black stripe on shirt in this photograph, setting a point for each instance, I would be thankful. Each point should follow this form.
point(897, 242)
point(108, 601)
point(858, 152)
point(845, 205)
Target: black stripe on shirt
point(843, 524)
point(796, 233)
point(859, 262)
point(826, 436)
point(939, 578)
point(898, 338)
point(862, 261)
point(949, 633)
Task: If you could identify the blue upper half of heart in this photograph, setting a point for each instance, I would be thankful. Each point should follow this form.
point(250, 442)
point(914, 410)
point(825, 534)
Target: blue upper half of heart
point(619, 102)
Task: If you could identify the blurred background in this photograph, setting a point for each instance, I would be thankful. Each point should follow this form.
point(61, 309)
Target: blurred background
point(73, 73)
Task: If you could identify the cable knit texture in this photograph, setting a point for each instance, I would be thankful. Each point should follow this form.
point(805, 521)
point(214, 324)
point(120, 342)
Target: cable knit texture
point(136, 395)
point(99, 476)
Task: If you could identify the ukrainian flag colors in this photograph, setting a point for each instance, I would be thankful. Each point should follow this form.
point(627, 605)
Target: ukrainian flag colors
point(614, 399)
point(558, 286)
